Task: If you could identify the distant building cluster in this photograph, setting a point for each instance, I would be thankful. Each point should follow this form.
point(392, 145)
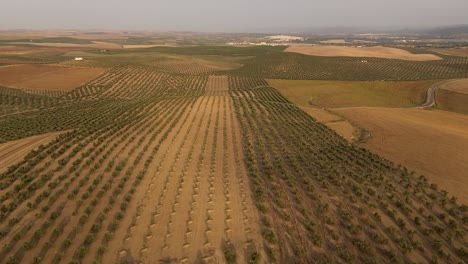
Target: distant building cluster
point(277, 40)
point(285, 38)
point(254, 44)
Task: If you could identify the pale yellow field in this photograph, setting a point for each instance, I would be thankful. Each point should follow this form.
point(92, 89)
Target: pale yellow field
point(433, 143)
point(374, 52)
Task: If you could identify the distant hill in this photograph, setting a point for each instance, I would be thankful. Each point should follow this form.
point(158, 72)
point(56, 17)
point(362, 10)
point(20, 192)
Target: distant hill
point(453, 31)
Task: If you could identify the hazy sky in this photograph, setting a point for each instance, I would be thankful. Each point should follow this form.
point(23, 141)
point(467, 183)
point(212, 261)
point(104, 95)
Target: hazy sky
point(227, 15)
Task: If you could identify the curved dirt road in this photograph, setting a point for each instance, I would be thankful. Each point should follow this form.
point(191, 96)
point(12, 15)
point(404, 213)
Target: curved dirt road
point(431, 94)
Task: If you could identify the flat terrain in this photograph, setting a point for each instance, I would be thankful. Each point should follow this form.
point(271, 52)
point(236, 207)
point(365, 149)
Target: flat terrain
point(12, 152)
point(45, 77)
point(371, 52)
point(344, 94)
point(433, 143)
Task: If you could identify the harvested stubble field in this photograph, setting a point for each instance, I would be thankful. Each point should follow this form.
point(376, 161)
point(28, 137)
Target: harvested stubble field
point(369, 52)
point(164, 167)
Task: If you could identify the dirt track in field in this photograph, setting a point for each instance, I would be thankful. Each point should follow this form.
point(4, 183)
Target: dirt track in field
point(373, 52)
point(14, 151)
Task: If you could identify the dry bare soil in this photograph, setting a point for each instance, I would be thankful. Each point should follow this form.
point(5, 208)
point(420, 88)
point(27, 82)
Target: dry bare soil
point(453, 96)
point(459, 86)
point(374, 52)
point(434, 143)
point(46, 77)
point(338, 124)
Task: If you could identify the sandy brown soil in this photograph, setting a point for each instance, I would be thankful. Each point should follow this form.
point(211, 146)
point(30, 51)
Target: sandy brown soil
point(321, 115)
point(453, 96)
point(433, 143)
point(343, 128)
point(333, 121)
point(459, 86)
point(452, 101)
point(45, 77)
point(375, 52)
point(11, 49)
point(13, 61)
point(14, 151)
